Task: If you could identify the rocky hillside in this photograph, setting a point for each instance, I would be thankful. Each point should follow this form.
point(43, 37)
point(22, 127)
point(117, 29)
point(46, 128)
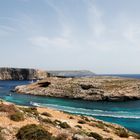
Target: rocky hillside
point(30, 123)
point(97, 88)
point(80, 73)
point(21, 74)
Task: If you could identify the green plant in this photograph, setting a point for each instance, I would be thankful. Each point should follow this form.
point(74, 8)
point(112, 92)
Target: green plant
point(33, 132)
point(64, 125)
point(62, 136)
point(8, 108)
point(79, 126)
point(57, 122)
point(46, 114)
point(122, 132)
point(85, 118)
point(47, 120)
point(95, 135)
point(30, 110)
point(18, 116)
point(1, 137)
point(71, 117)
point(81, 122)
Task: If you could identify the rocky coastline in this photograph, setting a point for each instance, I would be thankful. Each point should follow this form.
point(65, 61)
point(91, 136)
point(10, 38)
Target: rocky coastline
point(37, 123)
point(99, 88)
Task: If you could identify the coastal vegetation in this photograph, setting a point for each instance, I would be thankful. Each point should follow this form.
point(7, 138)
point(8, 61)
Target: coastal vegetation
point(26, 123)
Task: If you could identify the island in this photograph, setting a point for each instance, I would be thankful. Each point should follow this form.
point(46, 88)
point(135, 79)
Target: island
point(98, 88)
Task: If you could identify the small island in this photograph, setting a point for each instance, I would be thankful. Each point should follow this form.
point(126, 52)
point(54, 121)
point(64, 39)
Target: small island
point(98, 88)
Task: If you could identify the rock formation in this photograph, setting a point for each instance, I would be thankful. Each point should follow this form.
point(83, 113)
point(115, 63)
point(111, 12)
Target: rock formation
point(21, 74)
point(97, 88)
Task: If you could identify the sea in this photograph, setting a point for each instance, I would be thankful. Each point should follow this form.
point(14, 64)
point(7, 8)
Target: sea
point(125, 113)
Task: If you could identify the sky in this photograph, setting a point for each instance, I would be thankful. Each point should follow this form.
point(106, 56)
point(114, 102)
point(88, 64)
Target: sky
point(98, 35)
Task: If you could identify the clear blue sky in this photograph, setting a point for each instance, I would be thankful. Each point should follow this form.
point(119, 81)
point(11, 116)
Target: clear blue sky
point(98, 35)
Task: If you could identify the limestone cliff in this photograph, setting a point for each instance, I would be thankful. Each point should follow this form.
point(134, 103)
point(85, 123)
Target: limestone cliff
point(21, 74)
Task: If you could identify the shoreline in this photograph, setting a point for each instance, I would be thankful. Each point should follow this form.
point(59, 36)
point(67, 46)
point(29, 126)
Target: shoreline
point(76, 123)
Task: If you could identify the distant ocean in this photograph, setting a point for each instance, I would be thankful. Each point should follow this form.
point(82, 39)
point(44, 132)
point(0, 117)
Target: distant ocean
point(126, 114)
point(137, 76)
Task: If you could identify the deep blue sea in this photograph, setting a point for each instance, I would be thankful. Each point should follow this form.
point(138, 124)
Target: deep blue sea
point(124, 113)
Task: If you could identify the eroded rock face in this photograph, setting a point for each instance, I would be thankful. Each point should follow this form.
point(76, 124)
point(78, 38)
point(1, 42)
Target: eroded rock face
point(21, 74)
point(97, 88)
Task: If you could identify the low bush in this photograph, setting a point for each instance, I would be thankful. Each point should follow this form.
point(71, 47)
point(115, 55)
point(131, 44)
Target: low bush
point(57, 122)
point(47, 120)
point(1, 137)
point(46, 114)
point(85, 118)
point(33, 132)
point(64, 125)
point(8, 108)
point(62, 136)
point(121, 132)
point(30, 110)
point(18, 116)
point(95, 135)
point(79, 126)
point(81, 122)
point(71, 117)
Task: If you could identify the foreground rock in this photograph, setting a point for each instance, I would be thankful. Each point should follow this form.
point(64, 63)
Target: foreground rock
point(97, 88)
point(30, 123)
point(21, 74)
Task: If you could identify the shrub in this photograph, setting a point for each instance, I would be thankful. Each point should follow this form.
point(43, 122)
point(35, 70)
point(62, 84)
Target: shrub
point(8, 108)
point(71, 117)
point(18, 116)
point(46, 114)
point(79, 126)
point(47, 120)
point(108, 139)
point(95, 135)
point(30, 110)
point(33, 132)
point(85, 118)
point(1, 137)
point(62, 136)
point(81, 122)
point(122, 132)
point(64, 125)
point(57, 122)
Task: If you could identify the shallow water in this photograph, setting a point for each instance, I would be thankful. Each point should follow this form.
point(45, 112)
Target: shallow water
point(123, 113)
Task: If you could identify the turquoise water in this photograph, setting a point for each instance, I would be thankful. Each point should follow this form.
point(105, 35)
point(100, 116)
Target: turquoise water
point(123, 113)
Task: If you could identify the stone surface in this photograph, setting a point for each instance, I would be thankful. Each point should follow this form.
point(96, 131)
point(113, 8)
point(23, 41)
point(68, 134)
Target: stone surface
point(97, 88)
point(21, 74)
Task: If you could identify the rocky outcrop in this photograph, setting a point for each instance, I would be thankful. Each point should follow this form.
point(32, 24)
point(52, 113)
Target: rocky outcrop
point(72, 73)
point(97, 88)
point(21, 74)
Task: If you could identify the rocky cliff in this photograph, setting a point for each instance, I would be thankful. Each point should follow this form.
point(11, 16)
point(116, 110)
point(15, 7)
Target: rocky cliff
point(21, 74)
point(97, 88)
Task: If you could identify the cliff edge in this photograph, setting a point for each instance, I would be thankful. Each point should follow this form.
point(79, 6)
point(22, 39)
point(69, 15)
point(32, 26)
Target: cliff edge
point(22, 74)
